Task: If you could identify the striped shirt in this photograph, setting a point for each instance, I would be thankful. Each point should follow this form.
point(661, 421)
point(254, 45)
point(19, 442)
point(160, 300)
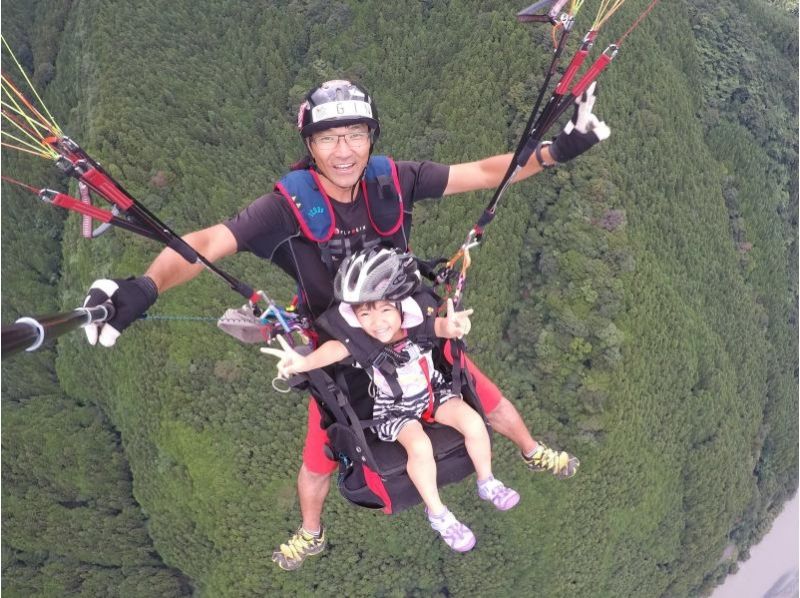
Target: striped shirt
point(420, 383)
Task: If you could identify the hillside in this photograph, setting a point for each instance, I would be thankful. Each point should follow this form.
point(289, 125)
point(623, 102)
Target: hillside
point(639, 305)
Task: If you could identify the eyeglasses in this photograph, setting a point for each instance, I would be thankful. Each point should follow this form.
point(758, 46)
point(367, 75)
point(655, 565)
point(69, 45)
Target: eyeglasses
point(355, 139)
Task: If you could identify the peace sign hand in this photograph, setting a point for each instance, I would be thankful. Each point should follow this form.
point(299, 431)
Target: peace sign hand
point(458, 324)
point(290, 362)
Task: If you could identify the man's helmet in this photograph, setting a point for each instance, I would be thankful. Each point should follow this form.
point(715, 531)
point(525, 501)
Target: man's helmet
point(336, 104)
point(376, 274)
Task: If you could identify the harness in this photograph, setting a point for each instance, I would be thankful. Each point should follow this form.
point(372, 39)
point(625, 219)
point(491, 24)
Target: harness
point(311, 206)
point(371, 353)
point(373, 474)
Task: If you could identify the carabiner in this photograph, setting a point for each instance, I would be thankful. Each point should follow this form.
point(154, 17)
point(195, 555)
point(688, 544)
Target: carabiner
point(280, 388)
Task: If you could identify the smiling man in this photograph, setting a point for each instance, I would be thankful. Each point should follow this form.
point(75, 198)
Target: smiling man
point(337, 200)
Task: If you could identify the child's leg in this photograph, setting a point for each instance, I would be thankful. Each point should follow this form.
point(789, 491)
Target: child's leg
point(457, 414)
point(421, 467)
point(465, 419)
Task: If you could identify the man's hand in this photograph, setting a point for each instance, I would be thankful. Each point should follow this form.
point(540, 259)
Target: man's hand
point(131, 298)
point(290, 362)
point(456, 324)
point(582, 131)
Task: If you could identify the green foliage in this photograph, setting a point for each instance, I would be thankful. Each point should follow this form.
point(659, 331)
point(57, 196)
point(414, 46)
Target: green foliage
point(637, 306)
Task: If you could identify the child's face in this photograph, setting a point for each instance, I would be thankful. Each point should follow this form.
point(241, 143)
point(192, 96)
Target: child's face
point(381, 320)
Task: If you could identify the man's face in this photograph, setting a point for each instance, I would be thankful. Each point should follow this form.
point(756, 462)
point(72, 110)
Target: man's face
point(341, 155)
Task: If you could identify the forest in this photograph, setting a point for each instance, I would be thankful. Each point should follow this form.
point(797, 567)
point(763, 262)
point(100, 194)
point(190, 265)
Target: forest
point(638, 305)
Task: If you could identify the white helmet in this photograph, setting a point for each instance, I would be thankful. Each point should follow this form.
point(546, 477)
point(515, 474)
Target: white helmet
point(376, 274)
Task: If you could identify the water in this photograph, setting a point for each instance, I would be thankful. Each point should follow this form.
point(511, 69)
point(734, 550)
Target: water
point(772, 569)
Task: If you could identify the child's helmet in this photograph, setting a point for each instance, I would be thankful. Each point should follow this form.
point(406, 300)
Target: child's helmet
point(376, 274)
point(337, 103)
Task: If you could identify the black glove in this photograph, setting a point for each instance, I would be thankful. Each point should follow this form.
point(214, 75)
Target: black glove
point(131, 297)
point(582, 131)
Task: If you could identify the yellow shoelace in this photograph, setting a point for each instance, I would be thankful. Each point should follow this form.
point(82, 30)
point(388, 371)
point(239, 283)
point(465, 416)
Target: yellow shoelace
point(296, 545)
point(552, 460)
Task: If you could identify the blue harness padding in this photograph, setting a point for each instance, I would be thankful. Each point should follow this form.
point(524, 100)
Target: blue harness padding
point(312, 206)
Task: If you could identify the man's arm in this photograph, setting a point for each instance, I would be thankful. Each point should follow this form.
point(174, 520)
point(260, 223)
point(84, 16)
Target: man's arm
point(581, 132)
point(169, 269)
point(131, 297)
point(487, 173)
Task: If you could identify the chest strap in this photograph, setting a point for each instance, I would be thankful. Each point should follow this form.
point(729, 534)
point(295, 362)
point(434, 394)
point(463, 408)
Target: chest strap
point(313, 210)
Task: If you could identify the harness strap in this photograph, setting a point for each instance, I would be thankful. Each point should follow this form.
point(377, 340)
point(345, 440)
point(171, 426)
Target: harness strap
point(313, 210)
point(355, 425)
point(427, 415)
point(461, 376)
point(325, 389)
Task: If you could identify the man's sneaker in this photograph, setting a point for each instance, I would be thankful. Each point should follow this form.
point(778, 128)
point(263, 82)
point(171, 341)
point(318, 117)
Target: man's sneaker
point(496, 493)
point(291, 555)
point(455, 534)
point(560, 463)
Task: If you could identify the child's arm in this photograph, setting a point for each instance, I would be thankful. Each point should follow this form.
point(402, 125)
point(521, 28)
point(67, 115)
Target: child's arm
point(455, 325)
point(291, 362)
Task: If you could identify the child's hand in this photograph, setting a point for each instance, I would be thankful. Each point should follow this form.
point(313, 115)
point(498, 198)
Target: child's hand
point(290, 361)
point(457, 322)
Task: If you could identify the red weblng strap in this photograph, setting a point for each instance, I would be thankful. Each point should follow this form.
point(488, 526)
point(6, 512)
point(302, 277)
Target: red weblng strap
point(608, 55)
point(63, 200)
point(105, 187)
point(575, 63)
point(427, 415)
point(594, 71)
point(597, 67)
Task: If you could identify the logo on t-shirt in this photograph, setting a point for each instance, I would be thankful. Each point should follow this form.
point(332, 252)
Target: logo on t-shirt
point(345, 243)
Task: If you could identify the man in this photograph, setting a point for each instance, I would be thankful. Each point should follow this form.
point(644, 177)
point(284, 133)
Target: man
point(337, 201)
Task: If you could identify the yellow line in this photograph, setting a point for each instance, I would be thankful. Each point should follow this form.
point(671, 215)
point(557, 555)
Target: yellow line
point(33, 89)
point(30, 120)
point(21, 128)
point(41, 155)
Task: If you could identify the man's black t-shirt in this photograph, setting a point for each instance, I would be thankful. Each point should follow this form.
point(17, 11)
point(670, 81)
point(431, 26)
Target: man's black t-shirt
point(269, 229)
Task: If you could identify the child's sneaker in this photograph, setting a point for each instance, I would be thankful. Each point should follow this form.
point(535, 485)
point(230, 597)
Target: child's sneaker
point(496, 492)
point(455, 534)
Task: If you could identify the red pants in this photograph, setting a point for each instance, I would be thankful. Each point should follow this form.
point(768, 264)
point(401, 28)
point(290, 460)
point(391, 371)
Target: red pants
point(314, 457)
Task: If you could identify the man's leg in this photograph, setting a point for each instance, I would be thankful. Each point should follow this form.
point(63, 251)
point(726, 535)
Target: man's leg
point(313, 485)
point(312, 488)
point(506, 420)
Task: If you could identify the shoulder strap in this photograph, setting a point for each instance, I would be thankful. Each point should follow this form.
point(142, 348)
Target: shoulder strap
point(312, 207)
point(367, 351)
point(309, 202)
point(428, 301)
point(385, 205)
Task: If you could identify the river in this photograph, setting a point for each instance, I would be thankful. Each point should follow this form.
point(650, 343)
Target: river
point(772, 569)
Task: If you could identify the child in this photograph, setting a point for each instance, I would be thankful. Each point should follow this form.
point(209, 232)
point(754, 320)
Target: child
point(374, 287)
